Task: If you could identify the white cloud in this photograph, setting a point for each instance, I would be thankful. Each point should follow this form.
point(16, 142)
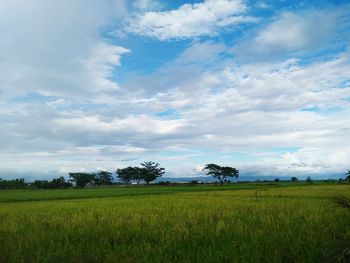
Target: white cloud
point(296, 32)
point(43, 45)
point(86, 120)
point(190, 20)
point(292, 31)
point(148, 5)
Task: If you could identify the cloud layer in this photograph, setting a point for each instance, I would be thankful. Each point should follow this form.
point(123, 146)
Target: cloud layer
point(270, 99)
point(190, 20)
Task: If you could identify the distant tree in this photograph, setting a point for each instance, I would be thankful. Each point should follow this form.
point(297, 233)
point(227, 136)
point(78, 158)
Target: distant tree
point(348, 176)
point(59, 182)
point(129, 173)
point(164, 183)
point(41, 184)
point(277, 180)
point(308, 180)
point(138, 174)
point(82, 179)
point(13, 184)
point(221, 172)
point(103, 178)
point(294, 179)
point(151, 171)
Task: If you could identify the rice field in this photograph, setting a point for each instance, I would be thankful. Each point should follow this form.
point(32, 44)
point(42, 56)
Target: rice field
point(237, 223)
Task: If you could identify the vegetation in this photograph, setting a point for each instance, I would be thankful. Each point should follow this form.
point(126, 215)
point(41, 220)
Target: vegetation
point(126, 175)
point(151, 171)
point(103, 178)
point(82, 179)
point(265, 222)
point(12, 184)
point(55, 183)
point(347, 178)
point(221, 172)
point(308, 180)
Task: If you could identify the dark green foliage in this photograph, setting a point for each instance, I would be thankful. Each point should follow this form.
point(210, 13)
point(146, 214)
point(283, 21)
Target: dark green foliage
point(126, 175)
point(103, 178)
point(56, 183)
point(82, 179)
point(308, 180)
point(164, 183)
point(342, 201)
point(41, 184)
point(221, 172)
point(277, 180)
point(348, 176)
point(294, 179)
point(151, 171)
point(60, 182)
point(193, 182)
point(12, 184)
point(138, 174)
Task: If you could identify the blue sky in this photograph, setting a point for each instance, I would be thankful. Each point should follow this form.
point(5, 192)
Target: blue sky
point(263, 86)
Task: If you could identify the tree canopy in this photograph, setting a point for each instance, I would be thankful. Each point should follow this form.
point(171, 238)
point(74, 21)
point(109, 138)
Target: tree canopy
point(103, 178)
point(82, 179)
point(221, 172)
point(151, 171)
point(126, 175)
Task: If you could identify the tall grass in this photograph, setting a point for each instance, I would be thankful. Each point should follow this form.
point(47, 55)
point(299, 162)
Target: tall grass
point(294, 224)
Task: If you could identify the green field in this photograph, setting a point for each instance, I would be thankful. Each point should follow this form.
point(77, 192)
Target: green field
point(236, 223)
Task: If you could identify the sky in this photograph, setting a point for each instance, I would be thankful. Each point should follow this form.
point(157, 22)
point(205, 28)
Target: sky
point(263, 86)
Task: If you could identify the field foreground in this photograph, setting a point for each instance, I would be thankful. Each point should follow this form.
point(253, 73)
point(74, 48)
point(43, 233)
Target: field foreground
point(261, 223)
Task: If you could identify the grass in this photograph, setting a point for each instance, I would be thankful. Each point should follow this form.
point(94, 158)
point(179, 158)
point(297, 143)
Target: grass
point(240, 223)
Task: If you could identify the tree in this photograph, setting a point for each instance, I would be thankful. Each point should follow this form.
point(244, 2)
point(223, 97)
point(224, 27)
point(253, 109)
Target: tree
point(348, 176)
point(294, 179)
point(129, 173)
point(41, 184)
point(103, 178)
point(12, 184)
point(221, 172)
point(59, 182)
point(151, 171)
point(308, 180)
point(82, 179)
point(138, 174)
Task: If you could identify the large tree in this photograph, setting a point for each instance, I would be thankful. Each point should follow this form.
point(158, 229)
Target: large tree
point(59, 182)
point(82, 179)
point(129, 173)
point(103, 178)
point(151, 171)
point(221, 172)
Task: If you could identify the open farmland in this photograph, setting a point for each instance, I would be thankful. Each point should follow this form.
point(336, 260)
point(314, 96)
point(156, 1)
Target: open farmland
point(236, 223)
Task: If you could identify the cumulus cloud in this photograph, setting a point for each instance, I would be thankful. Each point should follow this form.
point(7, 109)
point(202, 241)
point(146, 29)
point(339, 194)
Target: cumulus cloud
point(298, 33)
point(190, 20)
point(62, 108)
point(227, 108)
point(50, 49)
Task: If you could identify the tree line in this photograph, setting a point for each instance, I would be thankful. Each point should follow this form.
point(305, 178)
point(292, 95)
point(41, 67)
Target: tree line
point(147, 172)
